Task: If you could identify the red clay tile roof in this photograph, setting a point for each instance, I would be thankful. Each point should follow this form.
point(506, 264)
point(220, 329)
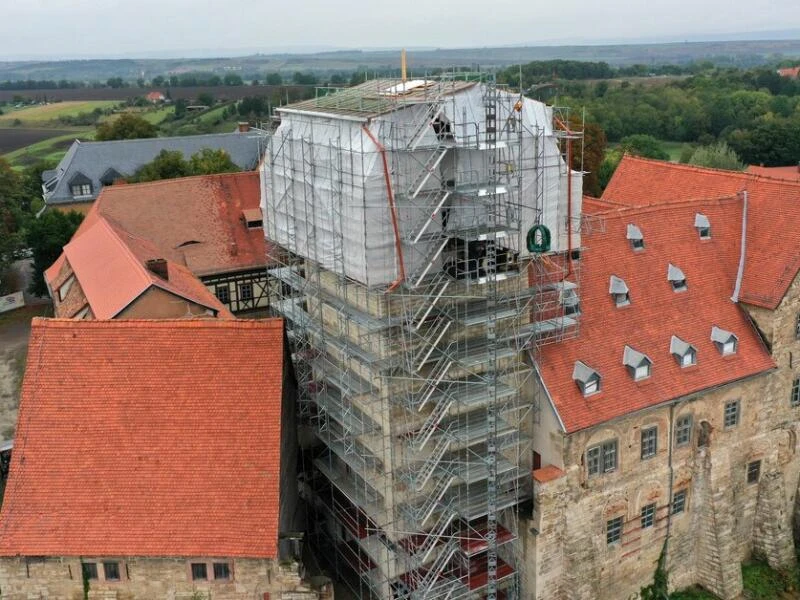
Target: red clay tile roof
point(790, 173)
point(109, 264)
point(194, 221)
point(147, 438)
point(655, 313)
point(773, 243)
point(792, 72)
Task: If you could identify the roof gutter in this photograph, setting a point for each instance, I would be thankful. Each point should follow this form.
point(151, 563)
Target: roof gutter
point(740, 273)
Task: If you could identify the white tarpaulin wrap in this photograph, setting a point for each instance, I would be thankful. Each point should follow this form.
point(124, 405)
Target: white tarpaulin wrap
point(325, 194)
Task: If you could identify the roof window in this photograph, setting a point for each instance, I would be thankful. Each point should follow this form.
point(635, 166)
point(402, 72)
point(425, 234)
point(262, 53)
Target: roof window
point(588, 379)
point(639, 365)
point(685, 354)
point(703, 226)
point(619, 291)
point(676, 278)
point(634, 235)
point(726, 342)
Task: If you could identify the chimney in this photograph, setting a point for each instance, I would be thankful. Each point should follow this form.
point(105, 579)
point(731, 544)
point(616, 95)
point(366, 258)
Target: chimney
point(159, 267)
point(244, 126)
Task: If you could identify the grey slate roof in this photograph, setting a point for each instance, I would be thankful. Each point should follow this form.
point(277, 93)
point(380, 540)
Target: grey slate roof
point(94, 159)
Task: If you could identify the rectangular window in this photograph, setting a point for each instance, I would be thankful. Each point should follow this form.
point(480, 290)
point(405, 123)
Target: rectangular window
point(678, 502)
point(84, 189)
point(795, 397)
point(641, 372)
point(89, 570)
point(111, 571)
point(223, 293)
point(199, 572)
point(753, 471)
point(731, 413)
point(602, 458)
point(222, 570)
point(246, 291)
point(648, 516)
point(613, 530)
point(649, 442)
point(590, 387)
point(683, 430)
point(797, 328)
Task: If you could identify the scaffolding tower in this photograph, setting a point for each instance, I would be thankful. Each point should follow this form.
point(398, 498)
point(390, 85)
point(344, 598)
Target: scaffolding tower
point(399, 213)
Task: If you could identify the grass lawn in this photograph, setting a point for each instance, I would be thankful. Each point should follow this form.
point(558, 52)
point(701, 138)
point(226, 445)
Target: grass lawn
point(52, 149)
point(48, 114)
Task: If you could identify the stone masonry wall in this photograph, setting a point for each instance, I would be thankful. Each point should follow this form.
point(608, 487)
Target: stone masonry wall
point(725, 519)
point(149, 578)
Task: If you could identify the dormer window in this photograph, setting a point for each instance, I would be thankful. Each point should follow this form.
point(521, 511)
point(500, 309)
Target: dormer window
point(639, 365)
point(685, 354)
point(80, 185)
point(703, 226)
point(253, 218)
point(676, 278)
point(619, 291)
point(634, 235)
point(726, 342)
point(588, 379)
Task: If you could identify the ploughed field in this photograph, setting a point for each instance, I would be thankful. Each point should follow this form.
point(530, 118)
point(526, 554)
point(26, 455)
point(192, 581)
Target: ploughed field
point(15, 138)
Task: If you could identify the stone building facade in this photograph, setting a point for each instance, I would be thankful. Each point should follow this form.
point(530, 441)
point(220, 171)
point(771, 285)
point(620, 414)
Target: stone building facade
point(697, 462)
point(144, 578)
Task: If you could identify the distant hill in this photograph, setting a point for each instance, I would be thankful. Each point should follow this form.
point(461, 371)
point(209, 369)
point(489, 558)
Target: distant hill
point(741, 53)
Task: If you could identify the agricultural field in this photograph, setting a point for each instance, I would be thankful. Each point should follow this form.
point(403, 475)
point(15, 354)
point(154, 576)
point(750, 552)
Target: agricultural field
point(44, 115)
point(51, 149)
point(12, 139)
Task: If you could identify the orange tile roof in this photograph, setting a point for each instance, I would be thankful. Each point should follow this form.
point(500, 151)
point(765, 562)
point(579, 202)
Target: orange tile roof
point(147, 438)
point(109, 264)
point(194, 221)
point(791, 173)
point(773, 244)
point(655, 313)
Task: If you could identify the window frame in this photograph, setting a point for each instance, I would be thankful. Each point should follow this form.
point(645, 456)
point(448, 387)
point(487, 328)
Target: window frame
point(731, 415)
point(677, 505)
point(198, 565)
point(794, 396)
point(649, 444)
point(648, 515)
point(604, 451)
point(704, 232)
point(637, 244)
point(644, 365)
point(683, 427)
point(753, 472)
point(614, 530)
point(228, 568)
point(218, 292)
point(90, 565)
point(247, 285)
point(797, 327)
point(79, 190)
point(116, 565)
point(622, 299)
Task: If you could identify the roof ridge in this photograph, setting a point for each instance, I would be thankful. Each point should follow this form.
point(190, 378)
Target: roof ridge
point(174, 180)
point(188, 323)
point(708, 170)
point(662, 206)
point(169, 137)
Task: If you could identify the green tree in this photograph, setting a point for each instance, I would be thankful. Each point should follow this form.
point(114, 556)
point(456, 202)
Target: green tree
point(232, 79)
point(208, 161)
point(717, 156)
point(10, 220)
point(168, 164)
point(46, 237)
point(643, 145)
point(180, 108)
point(274, 79)
point(125, 127)
point(205, 99)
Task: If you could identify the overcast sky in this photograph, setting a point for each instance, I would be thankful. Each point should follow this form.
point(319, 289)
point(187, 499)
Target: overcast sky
point(56, 28)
